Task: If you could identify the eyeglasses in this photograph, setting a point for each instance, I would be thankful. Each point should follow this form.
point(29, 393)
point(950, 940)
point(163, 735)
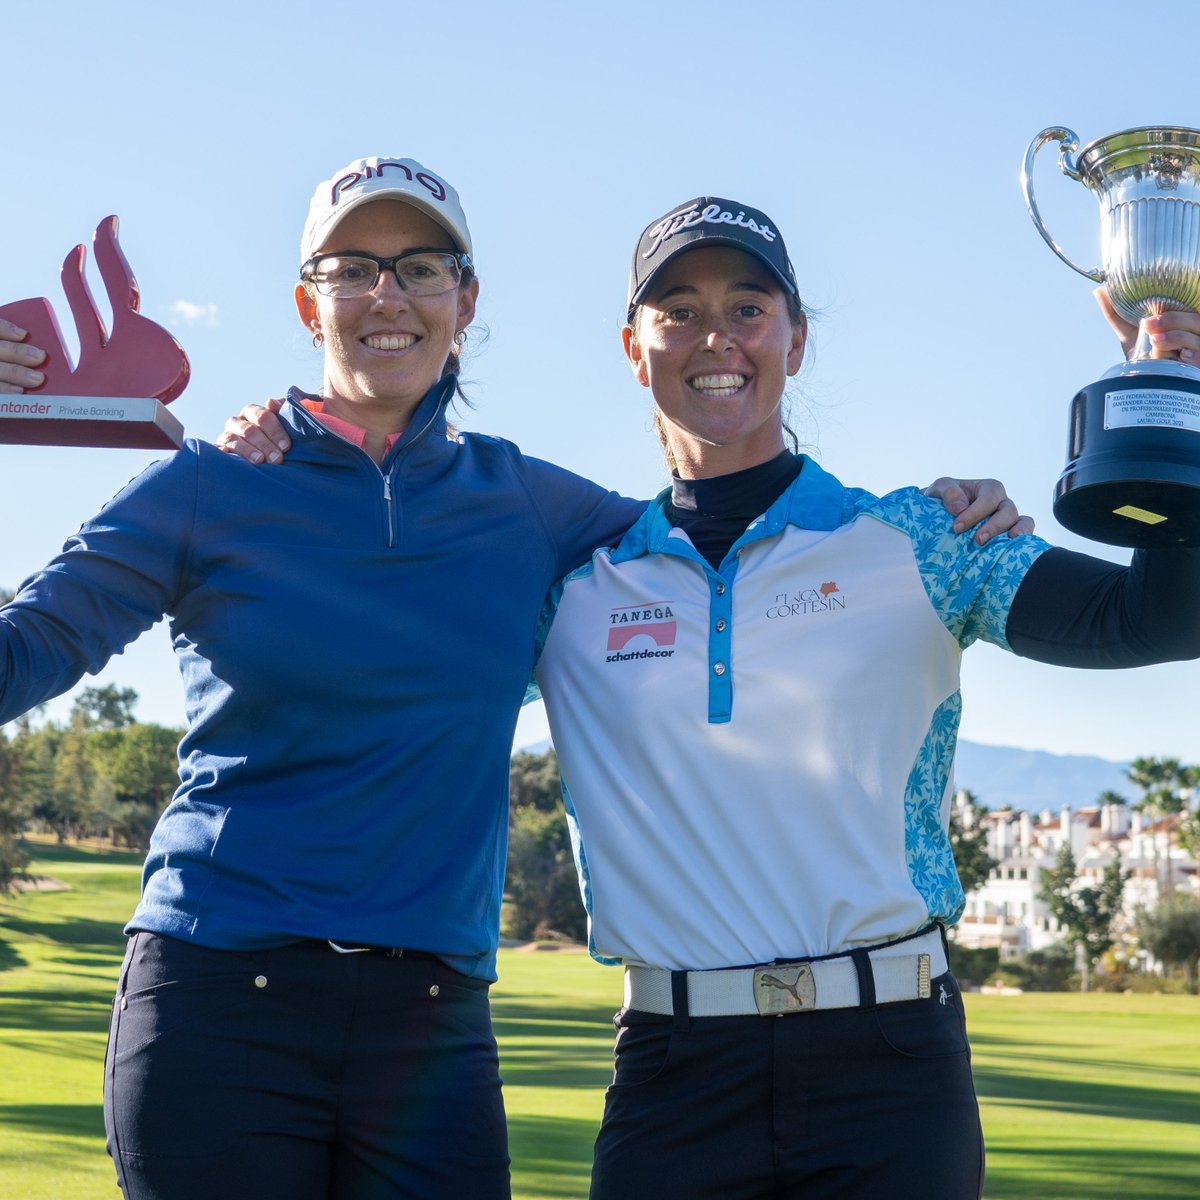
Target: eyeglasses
point(418, 272)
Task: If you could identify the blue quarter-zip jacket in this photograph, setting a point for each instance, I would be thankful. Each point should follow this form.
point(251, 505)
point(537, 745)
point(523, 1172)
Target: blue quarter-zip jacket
point(355, 642)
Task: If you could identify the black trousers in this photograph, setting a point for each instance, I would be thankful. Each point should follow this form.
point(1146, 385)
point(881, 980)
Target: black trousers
point(846, 1104)
point(301, 1074)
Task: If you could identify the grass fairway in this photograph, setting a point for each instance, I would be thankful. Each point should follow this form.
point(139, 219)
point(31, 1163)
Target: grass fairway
point(1084, 1097)
point(1089, 1096)
point(59, 953)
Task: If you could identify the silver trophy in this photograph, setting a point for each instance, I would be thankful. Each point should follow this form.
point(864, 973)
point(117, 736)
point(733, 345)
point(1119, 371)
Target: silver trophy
point(1133, 456)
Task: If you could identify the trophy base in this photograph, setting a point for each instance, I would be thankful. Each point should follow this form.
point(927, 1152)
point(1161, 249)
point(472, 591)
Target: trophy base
point(1133, 459)
point(107, 422)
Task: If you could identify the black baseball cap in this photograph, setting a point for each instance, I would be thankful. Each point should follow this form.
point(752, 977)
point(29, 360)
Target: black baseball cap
point(710, 221)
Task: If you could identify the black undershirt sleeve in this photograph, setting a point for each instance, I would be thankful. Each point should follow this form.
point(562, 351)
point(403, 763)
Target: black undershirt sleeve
point(1075, 611)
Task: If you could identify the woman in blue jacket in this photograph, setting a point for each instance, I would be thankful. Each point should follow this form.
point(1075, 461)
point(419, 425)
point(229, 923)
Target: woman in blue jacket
point(303, 1007)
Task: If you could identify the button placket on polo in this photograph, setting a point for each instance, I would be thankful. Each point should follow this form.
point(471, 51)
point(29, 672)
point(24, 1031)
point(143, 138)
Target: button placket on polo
point(720, 649)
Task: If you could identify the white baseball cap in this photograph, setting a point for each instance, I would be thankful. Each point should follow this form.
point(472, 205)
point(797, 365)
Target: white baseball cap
point(367, 179)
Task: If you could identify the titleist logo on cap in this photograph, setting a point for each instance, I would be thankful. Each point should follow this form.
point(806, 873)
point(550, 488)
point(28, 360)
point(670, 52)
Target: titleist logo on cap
point(711, 214)
point(429, 181)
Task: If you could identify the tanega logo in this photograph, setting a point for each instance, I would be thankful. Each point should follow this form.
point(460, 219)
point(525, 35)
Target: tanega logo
point(711, 214)
point(825, 598)
point(655, 621)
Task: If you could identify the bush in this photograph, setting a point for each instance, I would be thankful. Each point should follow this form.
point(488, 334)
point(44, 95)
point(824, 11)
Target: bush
point(1049, 970)
point(1140, 983)
point(973, 968)
point(1171, 933)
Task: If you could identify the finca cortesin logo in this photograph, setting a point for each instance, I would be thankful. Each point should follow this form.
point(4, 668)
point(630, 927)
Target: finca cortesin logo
point(826, 597)
point(654, 621)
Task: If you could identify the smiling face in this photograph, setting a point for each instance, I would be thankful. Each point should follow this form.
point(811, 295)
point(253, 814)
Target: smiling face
point(715, 343)
point(385, 350)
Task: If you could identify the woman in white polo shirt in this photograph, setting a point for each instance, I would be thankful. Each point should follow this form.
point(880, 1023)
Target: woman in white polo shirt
point(754, 698)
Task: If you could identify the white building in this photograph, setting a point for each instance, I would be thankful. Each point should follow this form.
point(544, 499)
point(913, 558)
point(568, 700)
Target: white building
point(1006, 911)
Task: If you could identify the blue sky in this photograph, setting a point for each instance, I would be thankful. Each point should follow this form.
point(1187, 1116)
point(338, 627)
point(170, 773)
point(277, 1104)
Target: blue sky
point(885, 141)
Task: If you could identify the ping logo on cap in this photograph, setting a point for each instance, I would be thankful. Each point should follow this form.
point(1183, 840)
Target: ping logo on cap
point(365, 179)
point(431, 182)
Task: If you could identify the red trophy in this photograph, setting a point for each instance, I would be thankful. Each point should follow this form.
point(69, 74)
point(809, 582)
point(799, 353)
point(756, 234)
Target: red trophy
point(117, 394)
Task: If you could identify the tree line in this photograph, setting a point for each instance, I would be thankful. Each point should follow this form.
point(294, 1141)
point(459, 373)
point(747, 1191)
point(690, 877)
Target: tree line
point(101, 774)
point(105, 774)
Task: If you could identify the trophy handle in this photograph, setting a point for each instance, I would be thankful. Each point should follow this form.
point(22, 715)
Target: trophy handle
point(1069, 143)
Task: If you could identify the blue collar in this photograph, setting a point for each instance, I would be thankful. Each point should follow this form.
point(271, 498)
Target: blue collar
point(814, 500)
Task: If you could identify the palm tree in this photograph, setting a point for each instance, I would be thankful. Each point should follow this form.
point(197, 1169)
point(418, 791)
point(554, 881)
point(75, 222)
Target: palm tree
point(1189, 818)
point(1160, 781)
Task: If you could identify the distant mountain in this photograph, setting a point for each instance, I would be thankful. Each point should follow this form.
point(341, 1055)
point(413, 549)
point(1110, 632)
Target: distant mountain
point(1037, 779)
point(1022, 779)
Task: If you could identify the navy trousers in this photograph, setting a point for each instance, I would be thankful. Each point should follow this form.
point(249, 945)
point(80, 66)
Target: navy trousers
point(869, 1103)
point(301, 1074)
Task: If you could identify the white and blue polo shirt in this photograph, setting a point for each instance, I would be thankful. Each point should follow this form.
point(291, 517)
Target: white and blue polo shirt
point(757, 760)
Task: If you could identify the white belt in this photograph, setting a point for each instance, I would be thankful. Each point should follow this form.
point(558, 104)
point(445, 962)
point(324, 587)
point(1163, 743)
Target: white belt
point(901, 971)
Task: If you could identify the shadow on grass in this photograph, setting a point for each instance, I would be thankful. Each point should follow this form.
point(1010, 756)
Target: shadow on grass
point(66, 1120)
point(10, 957)
point(67, 1047)
point(102, 966)
point(590, 1031)
point(552, 1156)
point(1120, 1173)
point(53, 1012)
point(1126, 1101)
point(560, 1016)
point(552, 1069)
point(1026, 1049)
point(526, 1020)
point(51, 852)
point(81, 933)
point(554, 1047)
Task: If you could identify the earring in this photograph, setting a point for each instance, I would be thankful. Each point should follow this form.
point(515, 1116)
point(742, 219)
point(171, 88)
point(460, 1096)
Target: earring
point(461, 337)
point(318, 338)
